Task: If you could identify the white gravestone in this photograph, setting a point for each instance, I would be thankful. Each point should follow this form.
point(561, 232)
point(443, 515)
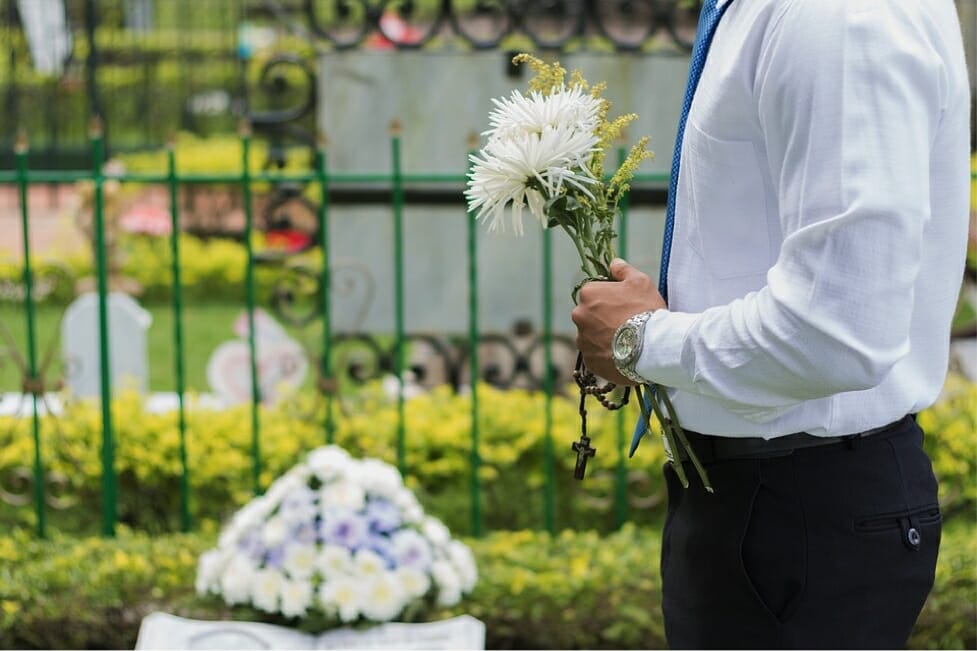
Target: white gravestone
point(128, 324)
point(281, 363)
point(164, 631)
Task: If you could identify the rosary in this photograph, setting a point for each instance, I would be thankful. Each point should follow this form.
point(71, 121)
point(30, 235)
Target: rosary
point(589, 386)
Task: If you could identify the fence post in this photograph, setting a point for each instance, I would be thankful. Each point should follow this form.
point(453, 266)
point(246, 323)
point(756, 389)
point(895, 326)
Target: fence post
point(109, 497)
point(398, 223)
point(178, 351)
point(549, 494)
point(32, 383)
point(474, 371)
point(245, 132)
point(327, 381)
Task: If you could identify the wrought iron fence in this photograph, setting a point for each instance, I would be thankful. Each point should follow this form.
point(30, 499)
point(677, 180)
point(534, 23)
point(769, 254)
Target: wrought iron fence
point(302, 294)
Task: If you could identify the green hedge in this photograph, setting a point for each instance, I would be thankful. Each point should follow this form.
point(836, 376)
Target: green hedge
point(211, 270)
point(438, 446)
point(573, 590)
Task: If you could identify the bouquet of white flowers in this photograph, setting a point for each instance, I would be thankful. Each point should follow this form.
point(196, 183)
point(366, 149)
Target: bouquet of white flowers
point(546, 152)
point(337, 540)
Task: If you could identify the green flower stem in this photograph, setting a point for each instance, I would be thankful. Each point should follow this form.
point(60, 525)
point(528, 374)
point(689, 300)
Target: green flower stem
point(584, 261)
point(667, 431)
point(673, 419)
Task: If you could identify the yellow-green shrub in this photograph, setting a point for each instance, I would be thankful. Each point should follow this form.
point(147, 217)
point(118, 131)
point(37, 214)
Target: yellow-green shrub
point(951, 441)
point(513, 469)
point(576, 590)
point(512, 452)
point(210, 270)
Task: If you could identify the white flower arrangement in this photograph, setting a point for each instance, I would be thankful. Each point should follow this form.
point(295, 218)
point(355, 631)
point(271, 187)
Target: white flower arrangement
point(337, 540)
point(546, 151)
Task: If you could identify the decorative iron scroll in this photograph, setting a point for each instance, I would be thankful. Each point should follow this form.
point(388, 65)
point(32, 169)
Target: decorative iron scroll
point(628, 25)
point(505, 361)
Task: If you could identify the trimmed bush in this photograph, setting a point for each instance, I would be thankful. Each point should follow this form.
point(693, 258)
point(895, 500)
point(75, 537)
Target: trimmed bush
point(211, 270)
point(575, 590)
point(512, 450)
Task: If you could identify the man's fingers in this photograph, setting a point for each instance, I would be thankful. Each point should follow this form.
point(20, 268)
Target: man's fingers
point(621, 270)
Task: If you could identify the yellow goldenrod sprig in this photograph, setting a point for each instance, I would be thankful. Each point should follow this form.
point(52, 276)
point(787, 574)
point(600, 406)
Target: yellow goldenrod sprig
point(620, 182)
point(549, 76)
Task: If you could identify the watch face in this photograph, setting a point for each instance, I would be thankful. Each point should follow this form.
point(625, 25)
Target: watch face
point(625, 343)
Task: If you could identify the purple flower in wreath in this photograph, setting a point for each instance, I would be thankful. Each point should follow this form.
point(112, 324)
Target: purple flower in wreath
point(383, 516)
point(344, 528)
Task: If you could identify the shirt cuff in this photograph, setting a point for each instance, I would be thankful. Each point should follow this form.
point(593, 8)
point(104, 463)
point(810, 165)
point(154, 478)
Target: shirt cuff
point(661, 355)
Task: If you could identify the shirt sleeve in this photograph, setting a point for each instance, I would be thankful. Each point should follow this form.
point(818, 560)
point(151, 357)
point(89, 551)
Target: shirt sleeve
point(848, 96)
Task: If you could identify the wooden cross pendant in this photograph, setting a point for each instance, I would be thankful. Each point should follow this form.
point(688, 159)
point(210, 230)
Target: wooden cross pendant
point(584, 451)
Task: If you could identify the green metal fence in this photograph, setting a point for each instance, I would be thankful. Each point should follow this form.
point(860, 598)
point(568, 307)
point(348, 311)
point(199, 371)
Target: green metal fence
point(396, 180)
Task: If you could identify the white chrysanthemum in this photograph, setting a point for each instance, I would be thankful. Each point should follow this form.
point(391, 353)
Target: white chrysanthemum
point(385, 597)
point(334, 561)
point(235, 581)
point(414, 582)
point(521, 114)
point(449, 584)
point(411, 549)
point(283, 486)
point(265, 589)
point(342, 495)
point(410, 508)
point(379, 478)
point(209, 569)
point(299, 505)
point(329, 462)
point(296, 598)
point(300, 561)
point(344, 596)
point(274, 532)
point(250, 516)
point(435, 531)
point(506, 169)
point(368, 564)
point(464, 561)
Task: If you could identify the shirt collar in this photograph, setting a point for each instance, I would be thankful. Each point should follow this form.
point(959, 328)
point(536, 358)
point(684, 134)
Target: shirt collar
point(721, 3)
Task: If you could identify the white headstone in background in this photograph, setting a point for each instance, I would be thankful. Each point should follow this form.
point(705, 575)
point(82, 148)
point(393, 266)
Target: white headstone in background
point(128, 325)
point(164, 631)
point(281, 363)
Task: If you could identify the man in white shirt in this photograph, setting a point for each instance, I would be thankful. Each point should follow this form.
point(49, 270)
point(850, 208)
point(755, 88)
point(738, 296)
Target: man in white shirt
point(820, 226)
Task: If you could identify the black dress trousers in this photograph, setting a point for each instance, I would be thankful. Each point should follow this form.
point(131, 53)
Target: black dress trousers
point(826, 547)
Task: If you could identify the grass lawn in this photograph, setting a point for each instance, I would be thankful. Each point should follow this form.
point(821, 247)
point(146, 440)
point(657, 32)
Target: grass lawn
point(206, 325)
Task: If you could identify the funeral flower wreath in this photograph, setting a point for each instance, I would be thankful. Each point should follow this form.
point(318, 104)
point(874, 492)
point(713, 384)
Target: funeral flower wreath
point(337, 540)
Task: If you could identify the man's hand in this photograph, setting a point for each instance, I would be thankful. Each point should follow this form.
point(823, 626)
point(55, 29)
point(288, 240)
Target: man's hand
point(603, 307)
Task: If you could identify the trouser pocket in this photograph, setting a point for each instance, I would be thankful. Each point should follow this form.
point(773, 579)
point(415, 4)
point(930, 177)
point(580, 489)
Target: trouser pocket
point(773, 550)
point(909, 524)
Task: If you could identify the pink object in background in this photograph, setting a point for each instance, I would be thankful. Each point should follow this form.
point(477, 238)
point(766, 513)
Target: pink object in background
point(147, 219)
point(396, 28)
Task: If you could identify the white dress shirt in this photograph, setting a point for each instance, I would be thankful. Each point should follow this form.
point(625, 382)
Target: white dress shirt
point(821, 219)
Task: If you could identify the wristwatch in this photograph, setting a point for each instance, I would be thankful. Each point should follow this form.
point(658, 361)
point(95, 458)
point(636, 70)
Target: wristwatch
point(627, 344)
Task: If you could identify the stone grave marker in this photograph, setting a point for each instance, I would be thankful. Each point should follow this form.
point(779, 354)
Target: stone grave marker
point(128, 327)
point(281, 363)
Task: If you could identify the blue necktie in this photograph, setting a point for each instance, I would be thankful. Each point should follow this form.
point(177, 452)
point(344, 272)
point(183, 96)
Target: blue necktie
point(708, 21)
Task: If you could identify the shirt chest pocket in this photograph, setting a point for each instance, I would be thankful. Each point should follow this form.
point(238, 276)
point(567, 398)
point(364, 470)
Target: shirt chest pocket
point(729, 220)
